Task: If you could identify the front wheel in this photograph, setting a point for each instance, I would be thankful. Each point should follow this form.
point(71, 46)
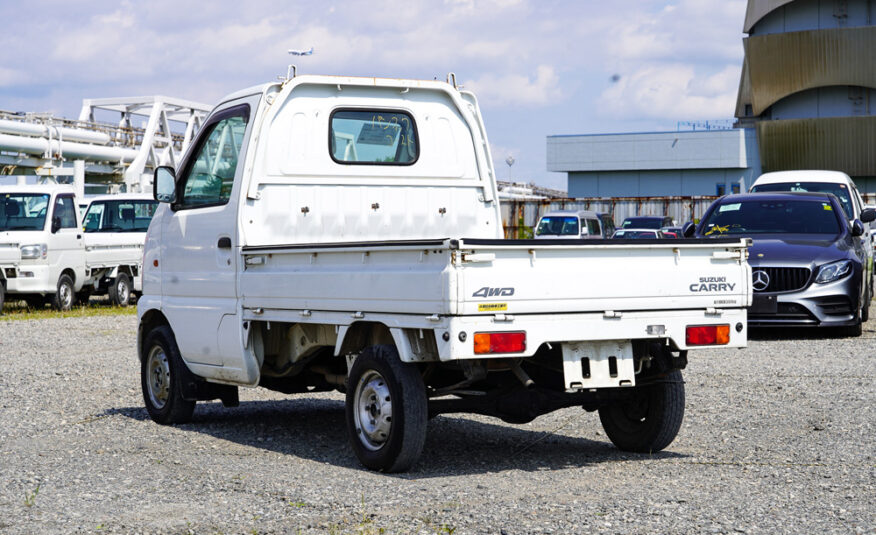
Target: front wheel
point(161, 378)
point(65, 294)
point(649, 419)
point(2, 296)
point(386, 410)
point(120, 290)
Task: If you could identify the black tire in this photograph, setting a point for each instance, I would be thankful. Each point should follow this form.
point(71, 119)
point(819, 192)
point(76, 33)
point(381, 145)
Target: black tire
point(648, 421)
point(2, 296)
point(161, 378)
point(386, 410)
point(853, 331)
point(865, 310)
point(65, 296)
point(120, 290)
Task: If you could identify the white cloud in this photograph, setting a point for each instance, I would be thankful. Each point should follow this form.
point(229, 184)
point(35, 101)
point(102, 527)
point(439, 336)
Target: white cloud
point(518, 89)
point(672, 91)
point(13, 77)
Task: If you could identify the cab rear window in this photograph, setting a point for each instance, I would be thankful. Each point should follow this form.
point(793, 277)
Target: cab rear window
point(373, 137)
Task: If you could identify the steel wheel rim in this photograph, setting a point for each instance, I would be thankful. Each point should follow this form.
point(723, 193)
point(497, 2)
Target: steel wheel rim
point(158, 377)
point(66, 297)
point(123, 292)
point(372, 410)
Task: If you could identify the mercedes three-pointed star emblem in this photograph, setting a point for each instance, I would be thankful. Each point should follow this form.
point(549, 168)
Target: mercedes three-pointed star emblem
point(760, 280)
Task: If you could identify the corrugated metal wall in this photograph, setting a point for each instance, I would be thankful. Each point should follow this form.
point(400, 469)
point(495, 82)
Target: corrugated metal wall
point(846, 144)
point(782, 64)
point(519, 217)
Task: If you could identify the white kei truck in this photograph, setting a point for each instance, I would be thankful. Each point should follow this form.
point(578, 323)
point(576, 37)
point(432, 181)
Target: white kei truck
point(47, 256)
point(344, 233)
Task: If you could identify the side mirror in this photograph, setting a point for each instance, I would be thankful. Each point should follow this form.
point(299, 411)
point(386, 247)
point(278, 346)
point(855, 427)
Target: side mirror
point(164, 184)
point(689, 229)
point(868, 215)
point(56, 224)
point(857, 228)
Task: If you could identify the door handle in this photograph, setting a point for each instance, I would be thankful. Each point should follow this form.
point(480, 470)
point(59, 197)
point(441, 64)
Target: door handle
point(224, 242)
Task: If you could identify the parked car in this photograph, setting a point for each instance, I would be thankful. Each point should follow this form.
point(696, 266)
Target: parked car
point(671, 232)
point(835, 182)
point(647, 221)
point(638, 234)
point(570, 224)
point(365, 265)
point(808, 263)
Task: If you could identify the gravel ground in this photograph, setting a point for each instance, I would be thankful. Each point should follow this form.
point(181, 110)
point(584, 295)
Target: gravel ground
point(777, 438)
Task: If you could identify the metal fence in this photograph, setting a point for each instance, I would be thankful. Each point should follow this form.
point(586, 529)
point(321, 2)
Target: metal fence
point(520, 216)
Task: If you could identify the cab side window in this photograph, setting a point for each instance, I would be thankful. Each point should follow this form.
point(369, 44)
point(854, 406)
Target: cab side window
point(65, 212)
point(209, 175)
point(592, 227)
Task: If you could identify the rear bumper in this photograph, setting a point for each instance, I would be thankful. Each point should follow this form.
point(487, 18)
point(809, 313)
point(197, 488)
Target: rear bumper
point(558, 328)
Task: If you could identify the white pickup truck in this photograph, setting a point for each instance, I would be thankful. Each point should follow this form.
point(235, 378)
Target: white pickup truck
point(46, 255)
point(344, 233)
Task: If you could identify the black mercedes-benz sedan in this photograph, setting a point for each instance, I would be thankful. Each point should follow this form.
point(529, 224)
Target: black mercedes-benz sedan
point(809, 268)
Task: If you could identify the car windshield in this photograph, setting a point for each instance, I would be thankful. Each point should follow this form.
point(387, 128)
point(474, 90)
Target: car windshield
point(840, 190)
point(557, 226)
point(23, 211)
point(752, 216)
point(120, 216)
point(636, 235)
point(643, 222)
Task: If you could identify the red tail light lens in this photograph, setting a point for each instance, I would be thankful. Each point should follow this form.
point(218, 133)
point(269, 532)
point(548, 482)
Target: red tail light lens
point(708, 335)
point(499, 342)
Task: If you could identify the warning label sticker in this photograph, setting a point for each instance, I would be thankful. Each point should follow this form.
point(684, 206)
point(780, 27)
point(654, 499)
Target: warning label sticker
point(492, 307)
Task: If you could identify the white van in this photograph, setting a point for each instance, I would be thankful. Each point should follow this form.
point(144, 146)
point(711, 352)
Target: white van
point(570, 224)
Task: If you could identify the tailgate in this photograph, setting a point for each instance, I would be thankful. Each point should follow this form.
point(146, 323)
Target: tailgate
point(608, 275)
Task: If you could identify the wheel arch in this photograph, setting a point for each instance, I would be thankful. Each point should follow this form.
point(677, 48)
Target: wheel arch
point(361, 334)
point(151, 319)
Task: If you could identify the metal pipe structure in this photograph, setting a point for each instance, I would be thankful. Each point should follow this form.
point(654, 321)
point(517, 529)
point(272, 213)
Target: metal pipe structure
point(69, 149)
point(60, 132)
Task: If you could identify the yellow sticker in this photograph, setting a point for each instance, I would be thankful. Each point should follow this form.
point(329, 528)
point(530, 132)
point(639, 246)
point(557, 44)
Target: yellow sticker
point(492, 307)
point(827, 207)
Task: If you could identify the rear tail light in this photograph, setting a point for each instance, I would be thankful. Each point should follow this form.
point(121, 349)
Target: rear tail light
point(499, 342)
point(708, 335)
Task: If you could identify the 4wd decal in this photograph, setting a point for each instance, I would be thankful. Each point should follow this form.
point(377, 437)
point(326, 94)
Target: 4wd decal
point(493, 292)
point(712, 284)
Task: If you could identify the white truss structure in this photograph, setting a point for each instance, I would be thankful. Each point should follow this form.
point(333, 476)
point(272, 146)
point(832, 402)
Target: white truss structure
point(151, 131)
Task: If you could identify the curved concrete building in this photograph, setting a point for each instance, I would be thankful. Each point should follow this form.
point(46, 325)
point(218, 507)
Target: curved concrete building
point(808, 85)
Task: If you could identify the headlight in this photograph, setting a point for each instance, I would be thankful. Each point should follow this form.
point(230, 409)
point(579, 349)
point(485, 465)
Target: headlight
point(34, 251)
point(833, 271)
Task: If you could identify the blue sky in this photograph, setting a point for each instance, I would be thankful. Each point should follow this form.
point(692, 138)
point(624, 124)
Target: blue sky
point(539, 67)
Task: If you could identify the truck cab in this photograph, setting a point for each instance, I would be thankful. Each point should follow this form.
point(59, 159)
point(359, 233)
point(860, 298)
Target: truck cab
point(42, 257)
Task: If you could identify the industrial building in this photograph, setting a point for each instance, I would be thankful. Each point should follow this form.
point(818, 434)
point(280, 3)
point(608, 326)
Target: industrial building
point(656, 164)
point(808, 85)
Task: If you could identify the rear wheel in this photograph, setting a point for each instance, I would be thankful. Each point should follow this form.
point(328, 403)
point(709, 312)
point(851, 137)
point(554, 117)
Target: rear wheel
point(120, 290)
point(65, 295)
point(2, 296)
point(161, 378)
point(649, 419)
point(386, 410)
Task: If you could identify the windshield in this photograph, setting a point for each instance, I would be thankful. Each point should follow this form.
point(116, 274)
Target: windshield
point(780, 217)
point(120, 216)
point(840, 190)
point(23, 211)
point(557, 226)
point(636, 235)
point(643, 222)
